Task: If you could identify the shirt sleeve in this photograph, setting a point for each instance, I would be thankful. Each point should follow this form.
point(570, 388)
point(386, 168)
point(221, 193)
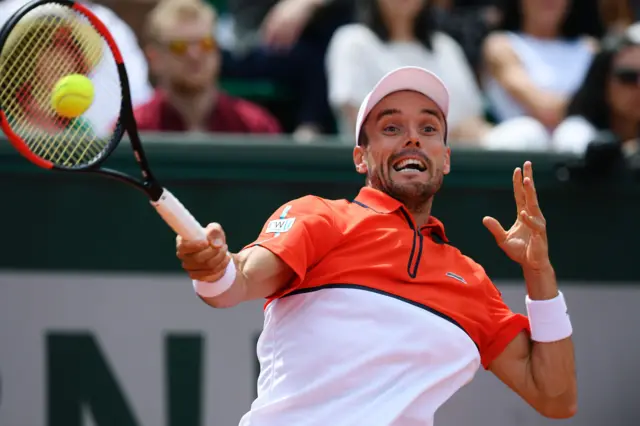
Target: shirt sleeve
point(147, 117)
point(300, 233)
point(502, 327)
point(259, 120)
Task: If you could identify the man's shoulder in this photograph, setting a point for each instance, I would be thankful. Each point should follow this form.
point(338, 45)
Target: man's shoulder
point(242, 106)
point(147, 114)
point(314, 203)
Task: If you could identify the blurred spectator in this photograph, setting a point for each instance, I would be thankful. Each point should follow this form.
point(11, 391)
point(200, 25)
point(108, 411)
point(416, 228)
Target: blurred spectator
point(134, 59)
point(534, 65)
point(468, 22)
point(393, 34)
point(285, 41)
point(185, 61)
point(604, 115)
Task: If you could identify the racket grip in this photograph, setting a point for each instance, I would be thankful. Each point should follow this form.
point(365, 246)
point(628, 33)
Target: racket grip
point(178, 217)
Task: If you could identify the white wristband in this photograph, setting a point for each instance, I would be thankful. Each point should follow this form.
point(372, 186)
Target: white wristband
point(549, 319)
point(207, 289)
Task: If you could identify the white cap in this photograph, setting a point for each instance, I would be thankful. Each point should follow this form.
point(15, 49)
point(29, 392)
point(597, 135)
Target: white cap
point(405, 78)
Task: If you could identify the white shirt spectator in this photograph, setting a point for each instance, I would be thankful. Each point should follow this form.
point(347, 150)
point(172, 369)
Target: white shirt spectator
point(357, 59)
point(558, 66)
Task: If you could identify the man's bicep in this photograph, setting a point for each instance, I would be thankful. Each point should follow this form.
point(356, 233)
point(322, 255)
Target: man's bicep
point(507, 348)
point(263, 272)
point(511, 366)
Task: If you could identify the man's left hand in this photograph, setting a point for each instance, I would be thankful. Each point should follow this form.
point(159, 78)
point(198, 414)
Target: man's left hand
point(526, 241)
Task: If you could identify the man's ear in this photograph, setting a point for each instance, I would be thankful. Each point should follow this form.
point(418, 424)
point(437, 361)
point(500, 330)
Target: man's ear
point(447, 161)
point(360, 160)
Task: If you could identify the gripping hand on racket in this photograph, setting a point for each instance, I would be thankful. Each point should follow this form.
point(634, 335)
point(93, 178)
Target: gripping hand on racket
point(205, 260)
point(224, 279)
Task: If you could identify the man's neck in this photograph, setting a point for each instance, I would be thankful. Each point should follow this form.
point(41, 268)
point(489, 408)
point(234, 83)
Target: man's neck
point(194, 109)
point(421, 215)
point(419, 212)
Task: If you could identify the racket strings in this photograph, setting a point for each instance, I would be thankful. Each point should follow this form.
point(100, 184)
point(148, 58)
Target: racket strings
point(42, 144)
point(47, 44)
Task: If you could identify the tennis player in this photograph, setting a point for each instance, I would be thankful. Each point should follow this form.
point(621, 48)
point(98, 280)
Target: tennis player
point(372, 317)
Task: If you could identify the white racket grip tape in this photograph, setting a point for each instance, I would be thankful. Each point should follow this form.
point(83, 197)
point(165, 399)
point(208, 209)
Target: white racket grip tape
point(207, 289)
point(178, 217)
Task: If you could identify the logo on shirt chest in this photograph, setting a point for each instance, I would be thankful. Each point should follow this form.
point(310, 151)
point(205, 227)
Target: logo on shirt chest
point(280, 225)
point(456, 277)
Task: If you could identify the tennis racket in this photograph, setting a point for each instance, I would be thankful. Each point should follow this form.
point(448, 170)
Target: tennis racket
point(44, 42)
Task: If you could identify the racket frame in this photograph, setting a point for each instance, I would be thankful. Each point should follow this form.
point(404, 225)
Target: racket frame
point(126, 122)
point(165, 203)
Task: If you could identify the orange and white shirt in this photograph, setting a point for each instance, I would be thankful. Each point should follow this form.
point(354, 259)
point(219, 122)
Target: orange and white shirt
point(383, 322)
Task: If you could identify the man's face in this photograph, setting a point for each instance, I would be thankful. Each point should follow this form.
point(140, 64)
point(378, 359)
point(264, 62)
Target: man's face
point(406, 156)
point(186, 58)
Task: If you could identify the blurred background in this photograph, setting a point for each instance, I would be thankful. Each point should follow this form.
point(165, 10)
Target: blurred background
point(245, 104)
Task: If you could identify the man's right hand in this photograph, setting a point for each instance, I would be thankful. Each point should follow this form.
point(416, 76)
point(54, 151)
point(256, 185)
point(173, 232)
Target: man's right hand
point(205, 260)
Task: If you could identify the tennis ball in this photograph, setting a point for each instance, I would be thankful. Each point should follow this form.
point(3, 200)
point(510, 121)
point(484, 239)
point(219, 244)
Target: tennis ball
point(72, 95)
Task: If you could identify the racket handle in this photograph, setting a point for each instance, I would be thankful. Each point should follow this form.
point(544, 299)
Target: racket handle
point(178, 217)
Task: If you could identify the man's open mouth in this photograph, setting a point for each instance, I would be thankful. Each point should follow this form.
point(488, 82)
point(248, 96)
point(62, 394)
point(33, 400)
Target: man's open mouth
point(410, 164)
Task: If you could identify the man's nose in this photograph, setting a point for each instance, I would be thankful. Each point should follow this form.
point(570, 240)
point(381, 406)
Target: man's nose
point(193, 52)
point(413, 141)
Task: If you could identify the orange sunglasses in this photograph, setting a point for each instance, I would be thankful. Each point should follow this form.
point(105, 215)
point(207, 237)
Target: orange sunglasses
point(180, 47)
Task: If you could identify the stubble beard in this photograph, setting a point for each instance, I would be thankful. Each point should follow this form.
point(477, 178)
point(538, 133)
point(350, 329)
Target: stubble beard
point(185, 87)
point(414, 195)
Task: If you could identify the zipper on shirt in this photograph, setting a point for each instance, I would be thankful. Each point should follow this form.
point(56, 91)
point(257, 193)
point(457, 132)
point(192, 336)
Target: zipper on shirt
point(416, 248)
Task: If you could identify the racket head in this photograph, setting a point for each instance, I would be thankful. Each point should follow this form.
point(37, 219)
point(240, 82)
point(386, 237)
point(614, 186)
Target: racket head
point(40, 44)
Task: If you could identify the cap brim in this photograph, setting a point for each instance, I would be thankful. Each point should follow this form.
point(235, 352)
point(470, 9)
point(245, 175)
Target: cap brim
point(406, 78)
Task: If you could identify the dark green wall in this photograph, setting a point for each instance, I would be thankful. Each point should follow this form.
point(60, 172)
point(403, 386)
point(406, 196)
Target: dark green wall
point(65, 221)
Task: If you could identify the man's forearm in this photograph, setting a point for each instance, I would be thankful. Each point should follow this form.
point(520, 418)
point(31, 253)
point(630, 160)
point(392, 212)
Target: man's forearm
point(553, 370)
point(553, 363)
point(258, 274)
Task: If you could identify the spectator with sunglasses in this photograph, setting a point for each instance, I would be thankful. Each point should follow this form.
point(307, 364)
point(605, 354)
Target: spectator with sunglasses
point(185, 62)
point(603, 118)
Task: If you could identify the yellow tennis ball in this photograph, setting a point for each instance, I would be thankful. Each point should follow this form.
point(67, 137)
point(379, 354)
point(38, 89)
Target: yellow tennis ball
point(72, 95)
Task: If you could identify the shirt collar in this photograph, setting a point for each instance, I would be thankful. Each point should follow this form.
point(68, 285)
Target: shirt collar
point(383, 203)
